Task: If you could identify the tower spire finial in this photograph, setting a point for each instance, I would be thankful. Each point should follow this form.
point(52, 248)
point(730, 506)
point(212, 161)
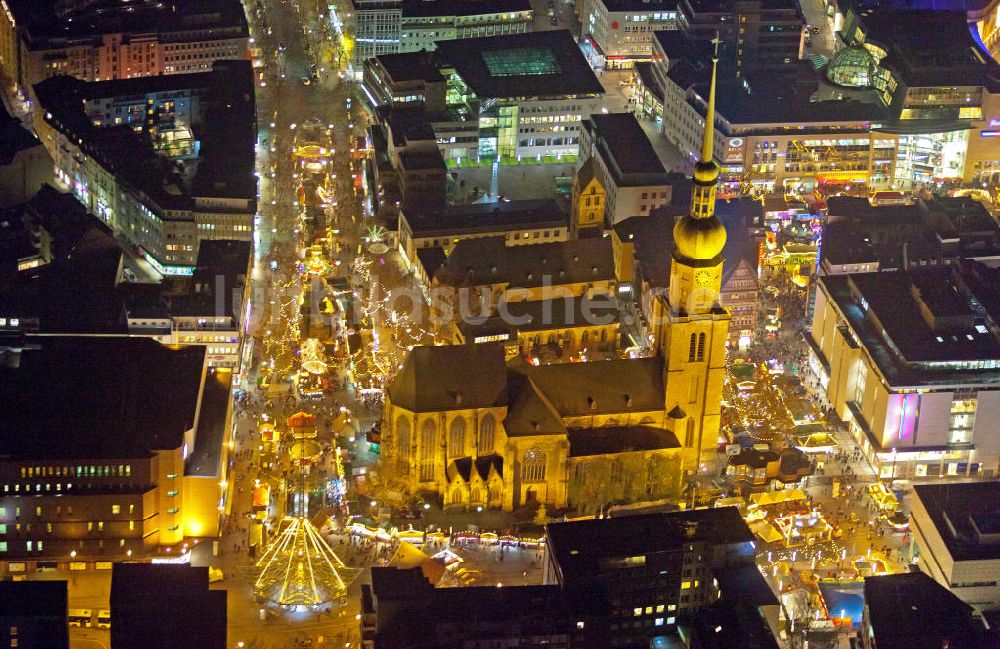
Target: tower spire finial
point(709, 135)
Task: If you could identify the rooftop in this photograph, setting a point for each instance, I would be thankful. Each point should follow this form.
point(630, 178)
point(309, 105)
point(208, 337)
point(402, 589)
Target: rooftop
point(455, 377)
point(104, 412)
point(203, 460)
point(639, 5)
point(33, 599)
point(582, 547)
point(499, 217)
point(959, 512)
point(411, 66)
point(922, 231)
point(927, 326)
point(626, 150)
point(14, 137)
point(451, 377)
point(159, 606)
point(411, 611)
point(489, 261)
point(226, 131)
point(532, 64)
point(430, 8)
point(930, 47)
point(613, 439)
point(541, 315)
point(53, 19)
point(912, 611)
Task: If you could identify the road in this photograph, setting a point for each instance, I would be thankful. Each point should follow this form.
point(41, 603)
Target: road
point(825, 42)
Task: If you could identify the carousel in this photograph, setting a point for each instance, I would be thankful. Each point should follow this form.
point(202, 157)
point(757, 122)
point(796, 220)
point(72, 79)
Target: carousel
point(300, 568)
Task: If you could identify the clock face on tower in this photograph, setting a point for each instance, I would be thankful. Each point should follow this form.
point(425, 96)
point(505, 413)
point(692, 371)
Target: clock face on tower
point(703, 277)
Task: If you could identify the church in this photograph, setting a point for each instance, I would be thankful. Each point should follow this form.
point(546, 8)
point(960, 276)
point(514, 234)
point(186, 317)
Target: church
point(465, 425)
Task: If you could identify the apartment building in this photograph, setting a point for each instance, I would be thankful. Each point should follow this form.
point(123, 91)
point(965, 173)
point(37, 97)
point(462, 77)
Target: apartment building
point(97, 42)
point(128, 150)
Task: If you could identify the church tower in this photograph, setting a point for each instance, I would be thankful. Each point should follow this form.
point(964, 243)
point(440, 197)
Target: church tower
point(696, 265)
point(694, 327)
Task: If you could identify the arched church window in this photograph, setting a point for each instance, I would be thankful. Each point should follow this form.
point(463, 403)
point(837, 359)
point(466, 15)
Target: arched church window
point(533, 465)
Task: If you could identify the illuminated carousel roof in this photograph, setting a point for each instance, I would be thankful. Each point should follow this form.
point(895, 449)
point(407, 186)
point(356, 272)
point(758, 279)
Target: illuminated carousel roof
point(300, 568)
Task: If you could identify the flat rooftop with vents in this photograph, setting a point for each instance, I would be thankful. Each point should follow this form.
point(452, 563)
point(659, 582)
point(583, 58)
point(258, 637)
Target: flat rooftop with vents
point(926, 326)
point(534, 64)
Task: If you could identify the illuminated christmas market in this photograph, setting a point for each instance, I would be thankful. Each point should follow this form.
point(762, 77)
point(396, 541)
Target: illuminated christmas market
point(425, 324)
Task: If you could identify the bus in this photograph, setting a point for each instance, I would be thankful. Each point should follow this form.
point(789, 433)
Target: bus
point(80, 617)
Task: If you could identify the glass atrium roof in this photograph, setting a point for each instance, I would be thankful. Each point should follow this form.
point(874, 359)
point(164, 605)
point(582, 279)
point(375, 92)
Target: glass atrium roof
point(524, 61)
point(854, 67)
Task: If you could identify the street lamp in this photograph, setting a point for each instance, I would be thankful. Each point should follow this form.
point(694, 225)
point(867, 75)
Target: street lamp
point(72, 554)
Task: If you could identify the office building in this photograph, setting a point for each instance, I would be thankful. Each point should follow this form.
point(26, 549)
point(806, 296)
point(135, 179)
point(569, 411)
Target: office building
point(515, 97)
point(635, 581)
point(626, 166)
point(165, 161)
point(954, 531)
point(754, 34)
point(401, 608)
point(891, 109)
point(33, 615)
point(93, 465)
point(159, 606)
point(210, 308)
point(410, 173)
point(62, 272)
point(617, 34)
point(861, 235)
point(96, 42)
point(681, 579)
point(911, 610)
point(376, 26)
point(399, 26)
point(909, 360)
point(424, 22)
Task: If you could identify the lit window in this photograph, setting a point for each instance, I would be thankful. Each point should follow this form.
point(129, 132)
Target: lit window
point(116, 509)
point(637, 611)
point(685, 585)
point(659, 621)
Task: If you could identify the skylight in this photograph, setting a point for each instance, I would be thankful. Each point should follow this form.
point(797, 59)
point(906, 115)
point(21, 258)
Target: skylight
point(523, 61)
